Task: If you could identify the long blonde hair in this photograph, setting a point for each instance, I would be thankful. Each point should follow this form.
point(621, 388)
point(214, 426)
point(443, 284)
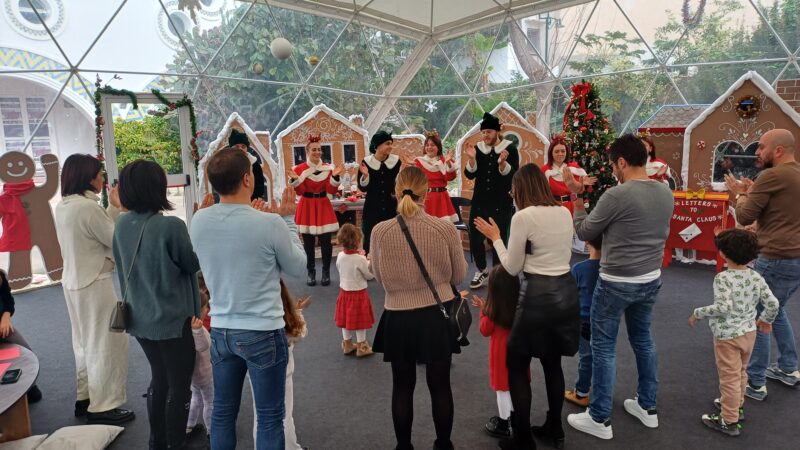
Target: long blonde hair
point(410, 187)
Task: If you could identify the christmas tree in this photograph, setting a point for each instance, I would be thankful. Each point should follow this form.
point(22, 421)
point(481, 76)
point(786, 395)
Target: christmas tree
point(589, 135)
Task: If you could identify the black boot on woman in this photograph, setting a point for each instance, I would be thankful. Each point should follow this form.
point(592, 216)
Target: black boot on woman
point(552, 431)
point(312, 278)
point(326, 277)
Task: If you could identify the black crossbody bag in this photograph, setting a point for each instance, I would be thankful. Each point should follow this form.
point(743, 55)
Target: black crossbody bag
point(461, 318)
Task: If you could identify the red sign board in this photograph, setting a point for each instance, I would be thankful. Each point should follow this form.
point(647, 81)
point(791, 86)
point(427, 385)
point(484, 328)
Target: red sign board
point(694, 218)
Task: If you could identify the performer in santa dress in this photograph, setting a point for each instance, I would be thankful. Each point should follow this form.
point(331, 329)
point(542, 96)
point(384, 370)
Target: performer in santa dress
point(313, 181)
point(440, 170)
point(657, 169)
point(565, 187)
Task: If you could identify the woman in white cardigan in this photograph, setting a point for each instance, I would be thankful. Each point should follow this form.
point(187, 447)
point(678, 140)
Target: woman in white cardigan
point(85, 233)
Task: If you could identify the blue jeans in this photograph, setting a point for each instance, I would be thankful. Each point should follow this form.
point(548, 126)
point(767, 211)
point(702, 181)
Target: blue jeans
point(264, 354)
point(783, 278)
point(611, 300)
point(583, 383)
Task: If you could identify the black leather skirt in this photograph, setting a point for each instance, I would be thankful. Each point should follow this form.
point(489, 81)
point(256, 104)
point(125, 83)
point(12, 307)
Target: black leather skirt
point(547, 320)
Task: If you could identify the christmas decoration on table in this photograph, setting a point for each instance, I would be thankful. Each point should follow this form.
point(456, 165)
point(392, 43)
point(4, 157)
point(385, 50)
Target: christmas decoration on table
point(280, 48)
point(589, 134)
point(748, 107)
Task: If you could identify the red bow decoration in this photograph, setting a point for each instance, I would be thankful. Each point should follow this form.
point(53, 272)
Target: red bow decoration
point(579, 91)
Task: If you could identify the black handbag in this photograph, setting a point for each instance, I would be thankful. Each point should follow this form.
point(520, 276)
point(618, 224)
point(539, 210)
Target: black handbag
point(119, 316)
point(460, 318)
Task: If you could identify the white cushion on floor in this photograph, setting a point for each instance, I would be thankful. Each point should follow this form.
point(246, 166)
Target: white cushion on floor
point(83, 437)
point(28, 443)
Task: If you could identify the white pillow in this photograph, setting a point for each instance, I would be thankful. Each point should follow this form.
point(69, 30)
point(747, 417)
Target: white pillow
point(28, 443)
point(82, 437)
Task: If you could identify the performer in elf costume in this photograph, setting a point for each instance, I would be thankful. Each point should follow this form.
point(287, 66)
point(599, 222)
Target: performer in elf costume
point(378, 172)
point(440, 170)
point(313, 181)
point(491, 163)
point(565, 175)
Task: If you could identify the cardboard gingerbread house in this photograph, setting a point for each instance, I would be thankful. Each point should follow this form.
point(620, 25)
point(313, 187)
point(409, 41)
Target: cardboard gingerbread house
point(666, 127)
point(343, 141)
point(408, 144)
point(531, 143)
point(724, 138)
point(258, 141)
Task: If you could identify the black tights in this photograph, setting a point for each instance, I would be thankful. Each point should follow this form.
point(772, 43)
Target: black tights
point(310, 242)
point(404, 378)
point(521, 395)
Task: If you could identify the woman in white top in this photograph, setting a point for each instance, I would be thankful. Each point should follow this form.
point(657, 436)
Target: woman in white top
point(547, 322)
point(85, 232)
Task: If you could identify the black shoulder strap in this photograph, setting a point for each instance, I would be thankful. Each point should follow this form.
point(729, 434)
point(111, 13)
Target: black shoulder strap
point(421, 265)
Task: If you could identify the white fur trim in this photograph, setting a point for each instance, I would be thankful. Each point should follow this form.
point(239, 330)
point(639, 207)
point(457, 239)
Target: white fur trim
point(653, 166)
point(485, 149)
point(374, 164)
point(314, 229)
point(335, 183)
point(452, 167)
point(471, 168)
point(365, 180)
point(309, 173)
point(760, 83)
point(555, 172)
point(507, 170)
point(432, 164)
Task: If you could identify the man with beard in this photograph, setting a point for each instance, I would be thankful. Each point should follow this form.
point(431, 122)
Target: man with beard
point(239, 140)
point(772, 201)
point(492, 163)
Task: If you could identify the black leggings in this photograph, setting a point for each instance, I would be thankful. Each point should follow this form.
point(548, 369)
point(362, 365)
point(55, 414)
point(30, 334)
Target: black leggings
point(171, 364)
point(309, 243)
point(404, 378)
point(521, 395)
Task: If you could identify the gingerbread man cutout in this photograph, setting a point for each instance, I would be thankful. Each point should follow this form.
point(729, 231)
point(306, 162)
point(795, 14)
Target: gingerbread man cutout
point(27, 217)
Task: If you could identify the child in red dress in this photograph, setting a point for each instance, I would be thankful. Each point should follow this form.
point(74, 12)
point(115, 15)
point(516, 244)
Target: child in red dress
point(353, 307)
point(497, 316)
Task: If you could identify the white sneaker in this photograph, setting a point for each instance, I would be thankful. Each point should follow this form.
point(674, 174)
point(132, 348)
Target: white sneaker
point(479, 279)
point(584, 422)
point(648, 418)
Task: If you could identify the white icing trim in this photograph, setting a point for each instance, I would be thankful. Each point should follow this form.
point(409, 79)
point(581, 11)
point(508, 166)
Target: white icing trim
point(374, 164)
point(765, 88)
point(277, 182)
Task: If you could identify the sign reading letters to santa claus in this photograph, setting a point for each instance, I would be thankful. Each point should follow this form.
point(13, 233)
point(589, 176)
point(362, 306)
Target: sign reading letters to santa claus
point(694, 218)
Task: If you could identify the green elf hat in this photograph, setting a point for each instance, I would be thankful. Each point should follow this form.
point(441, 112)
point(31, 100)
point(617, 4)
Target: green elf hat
point(490, 122)
point(379, 138)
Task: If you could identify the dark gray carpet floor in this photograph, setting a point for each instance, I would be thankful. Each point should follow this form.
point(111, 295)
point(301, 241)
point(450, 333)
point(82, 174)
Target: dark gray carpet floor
point(344, 403)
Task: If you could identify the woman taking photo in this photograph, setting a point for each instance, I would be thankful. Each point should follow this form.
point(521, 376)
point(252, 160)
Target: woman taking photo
point(440, 170)
point(313, 180)
point(564, 175)
point(547, 322)
point(412, 328)
point(158, 277)
point(85, 234)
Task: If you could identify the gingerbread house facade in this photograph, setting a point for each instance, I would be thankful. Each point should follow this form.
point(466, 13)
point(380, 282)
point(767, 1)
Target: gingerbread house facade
point(343, 141)
point(724, 138)
point(408, 144)
point(259, 141)
point(531, 143)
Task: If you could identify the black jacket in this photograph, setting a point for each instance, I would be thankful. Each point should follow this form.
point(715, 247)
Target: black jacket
point(491, 192)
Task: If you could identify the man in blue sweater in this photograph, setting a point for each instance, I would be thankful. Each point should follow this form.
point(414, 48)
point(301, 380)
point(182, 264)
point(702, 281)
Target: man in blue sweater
point(242, 252)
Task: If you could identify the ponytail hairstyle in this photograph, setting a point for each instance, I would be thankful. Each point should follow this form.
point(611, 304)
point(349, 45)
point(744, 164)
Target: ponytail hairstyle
point(410, 187)
point(291, 316)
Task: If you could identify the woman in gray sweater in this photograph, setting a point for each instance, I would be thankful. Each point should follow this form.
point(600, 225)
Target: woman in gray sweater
point(157, 270)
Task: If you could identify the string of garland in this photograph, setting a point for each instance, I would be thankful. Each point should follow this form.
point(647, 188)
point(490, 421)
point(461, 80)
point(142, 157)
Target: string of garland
point(690, 19)
point(171, 106)
point(99, 122)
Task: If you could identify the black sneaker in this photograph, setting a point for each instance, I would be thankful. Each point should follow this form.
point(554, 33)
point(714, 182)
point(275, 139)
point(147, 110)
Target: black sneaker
point(479, 279)
point(717, 423)
point(497, 427)
point(718, 404)
point(80, 407)
point(114, 416)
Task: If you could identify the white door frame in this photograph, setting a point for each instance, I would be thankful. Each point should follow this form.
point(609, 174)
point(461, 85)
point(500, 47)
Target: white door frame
point(187, 179)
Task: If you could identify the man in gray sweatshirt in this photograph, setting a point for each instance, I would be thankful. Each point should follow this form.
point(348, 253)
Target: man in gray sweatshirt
point(633, 218)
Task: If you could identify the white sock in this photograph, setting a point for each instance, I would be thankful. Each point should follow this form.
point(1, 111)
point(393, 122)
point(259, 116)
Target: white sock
point(361, 335)
point(347, 334)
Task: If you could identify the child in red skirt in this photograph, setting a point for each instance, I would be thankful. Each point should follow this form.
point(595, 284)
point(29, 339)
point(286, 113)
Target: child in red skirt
point(353, 307)
point(497, 316)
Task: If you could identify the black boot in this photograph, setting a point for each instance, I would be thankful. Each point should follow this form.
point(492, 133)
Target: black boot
point(326, 277)
point(439, 445)
point(312, 278)
point(517, 441)
point(497, 427)
point(550, 430)
point(80, 407)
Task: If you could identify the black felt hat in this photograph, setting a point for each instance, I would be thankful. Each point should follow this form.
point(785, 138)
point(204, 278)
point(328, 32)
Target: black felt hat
point(490, 122)
point(379, 138)
point(238, 137)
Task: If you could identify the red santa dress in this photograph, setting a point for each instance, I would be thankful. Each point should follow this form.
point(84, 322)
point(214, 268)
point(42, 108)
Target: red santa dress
point(439, 173)
point(556, 180)
point(315, 214)
point(353, 306)
point(652, 168)
point(498, 342)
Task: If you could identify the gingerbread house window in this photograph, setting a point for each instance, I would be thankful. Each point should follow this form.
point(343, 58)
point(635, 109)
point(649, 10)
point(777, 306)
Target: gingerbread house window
point(327, 155)
point(730, 156)
point(349, 153)
point(513, 137)
point(299, 154)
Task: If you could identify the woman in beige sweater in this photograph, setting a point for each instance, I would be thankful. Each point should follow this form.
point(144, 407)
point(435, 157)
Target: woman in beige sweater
point(412, 329)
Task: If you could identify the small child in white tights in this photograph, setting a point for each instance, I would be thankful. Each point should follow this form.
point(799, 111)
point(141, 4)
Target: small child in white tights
point(202, 378)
